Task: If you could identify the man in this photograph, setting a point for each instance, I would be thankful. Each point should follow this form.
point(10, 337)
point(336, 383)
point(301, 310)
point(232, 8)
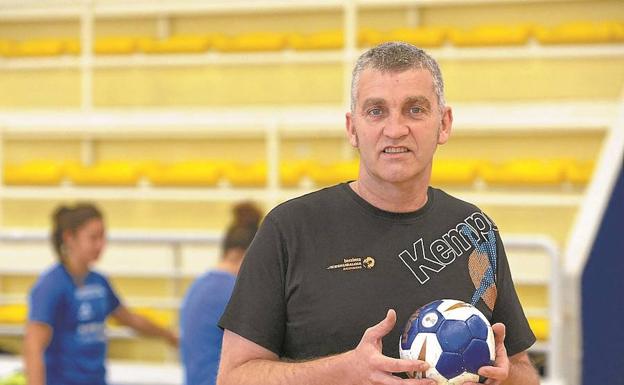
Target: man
point(325, 268)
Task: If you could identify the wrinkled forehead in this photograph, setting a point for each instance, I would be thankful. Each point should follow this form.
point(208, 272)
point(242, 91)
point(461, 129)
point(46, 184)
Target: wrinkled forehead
point(413, 82)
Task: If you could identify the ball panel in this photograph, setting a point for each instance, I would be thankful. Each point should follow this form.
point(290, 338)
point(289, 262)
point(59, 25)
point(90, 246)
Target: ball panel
point(427, 319)
point(476, 355)
point(477, 327)
point(454, 336)
point(450, 364)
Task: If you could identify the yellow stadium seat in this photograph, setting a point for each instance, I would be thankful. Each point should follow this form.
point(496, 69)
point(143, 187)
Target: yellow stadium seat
point(115, 45)
point(617, 31)
point(454, 171)
point(523, 172)
point(292, 172)
point(540, 327)
point(112, 173)
point(368, 37)
point(324, 40)
point(250, 42)
point(5, 46)
point(36, 172)
point(490, 35)
point(175, 44)
point(13, 314)
point(575, 33)
point(246, 175)
point(189, 173)
point(72, 46)
point(324, 175)
point(579, 172)
point(421, 37)
point(37, 47)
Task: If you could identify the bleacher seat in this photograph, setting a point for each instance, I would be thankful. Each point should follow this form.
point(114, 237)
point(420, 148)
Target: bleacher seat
point(577, 33)
point(109, 173)
point(519, 172)
point(35, 172)
point(324, 40)
point(36, 47)
point(189, 173)
point(454, 171)
point(490, 35)
point(329, 174)
point(246, 175)
point(250, 42)
point(175, 44)
point(115, 45)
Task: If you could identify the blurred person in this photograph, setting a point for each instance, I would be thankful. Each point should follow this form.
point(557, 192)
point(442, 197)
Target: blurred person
point(326, 267)
point(65, 342)
point(203, 305)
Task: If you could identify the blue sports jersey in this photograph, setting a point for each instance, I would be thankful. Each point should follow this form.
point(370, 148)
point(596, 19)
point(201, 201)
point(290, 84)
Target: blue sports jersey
point(77, 314)
point(200, 337)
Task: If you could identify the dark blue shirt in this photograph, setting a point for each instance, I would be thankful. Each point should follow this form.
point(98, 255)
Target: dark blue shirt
point(200, 337)
point(77, 314)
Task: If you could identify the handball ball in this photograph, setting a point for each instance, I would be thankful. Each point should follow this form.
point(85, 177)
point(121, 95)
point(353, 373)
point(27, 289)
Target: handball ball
point(452, 336)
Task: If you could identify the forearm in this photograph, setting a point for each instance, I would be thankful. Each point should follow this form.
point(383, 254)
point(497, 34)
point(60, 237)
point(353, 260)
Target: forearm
point(149, 328)
point(35, 367)
point(522, 373)
point(327, 371)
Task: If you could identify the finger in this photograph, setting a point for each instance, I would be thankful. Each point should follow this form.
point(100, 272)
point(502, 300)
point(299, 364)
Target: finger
point(384, 327)
point(499, 333)
point(395, 365)
point(424, 381)
point(492, 372)
point(386, 379)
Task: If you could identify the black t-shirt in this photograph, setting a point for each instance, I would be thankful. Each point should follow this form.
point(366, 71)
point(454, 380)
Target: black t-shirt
point(326, 266)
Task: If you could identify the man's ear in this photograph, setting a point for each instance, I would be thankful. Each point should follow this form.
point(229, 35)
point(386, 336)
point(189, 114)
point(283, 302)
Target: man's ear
point(351, 133)
point(445, 125)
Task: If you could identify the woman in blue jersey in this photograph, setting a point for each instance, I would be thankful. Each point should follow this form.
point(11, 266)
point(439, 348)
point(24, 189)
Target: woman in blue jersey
point(205, 301)
point(65, 341)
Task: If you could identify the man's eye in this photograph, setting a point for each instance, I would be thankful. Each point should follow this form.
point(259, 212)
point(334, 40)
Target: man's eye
point(375, 111)
point(415, 110)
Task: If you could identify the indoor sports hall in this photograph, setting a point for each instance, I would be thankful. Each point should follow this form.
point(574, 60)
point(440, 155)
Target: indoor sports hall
point(167, 113)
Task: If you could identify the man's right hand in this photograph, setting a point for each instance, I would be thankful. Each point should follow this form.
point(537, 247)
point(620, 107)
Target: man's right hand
point(375, 368)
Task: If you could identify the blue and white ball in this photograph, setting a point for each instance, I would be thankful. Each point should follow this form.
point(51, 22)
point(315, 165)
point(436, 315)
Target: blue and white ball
point(454, 337)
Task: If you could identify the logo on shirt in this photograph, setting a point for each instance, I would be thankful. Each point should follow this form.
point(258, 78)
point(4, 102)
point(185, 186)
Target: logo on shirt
point(85, 312)
point(354, 263)
point(426, 258)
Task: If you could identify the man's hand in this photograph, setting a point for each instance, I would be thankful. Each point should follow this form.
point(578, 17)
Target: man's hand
point(500, 371)
point(374, 367)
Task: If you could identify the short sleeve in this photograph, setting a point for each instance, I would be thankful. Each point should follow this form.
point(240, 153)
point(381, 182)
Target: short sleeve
point(256, 310)
point(111, 295)
point(508, 310)
point(44, 300)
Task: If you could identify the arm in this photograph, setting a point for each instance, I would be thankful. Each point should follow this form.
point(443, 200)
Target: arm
point(521, 371)
point(143, 325)
point(38, 336)
point(514, 370)
point(244, 362)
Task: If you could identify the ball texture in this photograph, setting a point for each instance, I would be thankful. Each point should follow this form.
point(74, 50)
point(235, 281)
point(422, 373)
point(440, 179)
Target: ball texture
point(454, 337)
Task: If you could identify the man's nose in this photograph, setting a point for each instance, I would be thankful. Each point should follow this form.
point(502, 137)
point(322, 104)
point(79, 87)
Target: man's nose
point(397, 126)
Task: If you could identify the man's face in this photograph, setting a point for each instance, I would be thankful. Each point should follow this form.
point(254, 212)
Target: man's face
point(397, 125)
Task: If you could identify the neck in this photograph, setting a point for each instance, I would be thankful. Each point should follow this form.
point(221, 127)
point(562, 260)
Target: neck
point(77, 271)
point(228, 266)
point(396, 198)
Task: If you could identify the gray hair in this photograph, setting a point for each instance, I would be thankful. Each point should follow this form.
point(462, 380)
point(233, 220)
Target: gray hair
point(397, 57)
